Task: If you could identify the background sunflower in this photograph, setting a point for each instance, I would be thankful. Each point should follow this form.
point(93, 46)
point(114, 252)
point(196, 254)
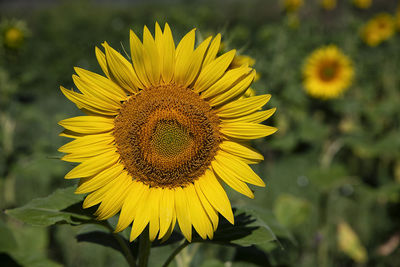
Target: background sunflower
point(327, 72)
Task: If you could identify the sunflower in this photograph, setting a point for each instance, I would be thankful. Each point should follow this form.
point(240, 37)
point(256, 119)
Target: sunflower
point(378, 29)
point(327, 72)
point(13, 33)
point(363, 4)
point(162, 132)
point(292, 5)
point(328, 4)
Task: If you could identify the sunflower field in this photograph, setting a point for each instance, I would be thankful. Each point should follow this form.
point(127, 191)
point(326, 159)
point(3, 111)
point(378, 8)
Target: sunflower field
point(200, 133)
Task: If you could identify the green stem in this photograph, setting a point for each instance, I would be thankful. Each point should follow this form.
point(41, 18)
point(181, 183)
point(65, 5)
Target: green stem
point(124, 247)
point(144, 248)
point(176, 252)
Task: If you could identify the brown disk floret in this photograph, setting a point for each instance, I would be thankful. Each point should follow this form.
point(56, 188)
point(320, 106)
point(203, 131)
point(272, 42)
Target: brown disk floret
point(167, 136)
point(329, 70)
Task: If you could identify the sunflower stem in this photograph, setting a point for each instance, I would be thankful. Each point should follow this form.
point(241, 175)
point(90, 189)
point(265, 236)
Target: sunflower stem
point(175, 252)
point(144, 248)
point(124, 246)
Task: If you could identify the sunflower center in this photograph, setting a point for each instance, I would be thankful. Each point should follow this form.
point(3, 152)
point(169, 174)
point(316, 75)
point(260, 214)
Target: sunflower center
point(329, 71)
point(170, 138)
point(167, 136)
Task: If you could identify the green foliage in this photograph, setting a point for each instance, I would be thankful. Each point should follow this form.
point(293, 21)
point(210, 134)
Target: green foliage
point(50, 210)
point(331, 162)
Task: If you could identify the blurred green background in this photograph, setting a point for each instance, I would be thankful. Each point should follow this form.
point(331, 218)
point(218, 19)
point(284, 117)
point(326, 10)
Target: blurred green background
point(332, 170)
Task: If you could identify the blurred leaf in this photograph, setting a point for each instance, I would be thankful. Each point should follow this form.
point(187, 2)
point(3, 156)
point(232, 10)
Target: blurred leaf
point(249, 229)
point(31, 246)
point(350, 244)
point(291, 211)
point(329, 178)
point(7, 239)
point(50, 210)
point(212, 263)
point(31, 260)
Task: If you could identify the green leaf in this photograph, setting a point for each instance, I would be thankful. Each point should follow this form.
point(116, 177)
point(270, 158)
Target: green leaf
point(291, 211)
point(249, 229)
point(7, 240)
point(329, 178)
point(52, 209)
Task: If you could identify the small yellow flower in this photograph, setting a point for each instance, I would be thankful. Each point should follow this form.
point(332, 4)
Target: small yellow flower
point(13, 37)
point(13, 33)
point(363, 4)
point(378, 29)
point(328, 4)
point(292, 5)
point(240, 60)
point(162, 131)
point(327, 73)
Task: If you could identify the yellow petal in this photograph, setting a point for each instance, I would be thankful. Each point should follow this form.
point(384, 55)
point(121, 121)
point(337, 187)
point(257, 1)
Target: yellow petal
point(213, 71)
point(137, 55)
point(114, 198)
point(227, 176)
point(99, 180)
point(237, 90)
point(97, 93)
point(71, 134)
point(151, 57)
point(83, 155)
point(154, 203)
point(121, 71)
point(256, 117)
point(167, 210)
point(196, 59)
point(143, 214)
point(168, 53)
point(88, 124)
point(86, 142)
point(170, 229)
point(240, 150)
point(182, 213)
point(97, 196)
point(90, 104)
point(243, 106)
point(211, 212)
point(244, 130)
point(215, 194)
point(212, 50)
point(230, 78)
point(198, 216)
point(158, 39)
point(100, 83)
point(101, 58)
point(238, 169)
point(137, 193)
point(183, 56)
point(93, 165)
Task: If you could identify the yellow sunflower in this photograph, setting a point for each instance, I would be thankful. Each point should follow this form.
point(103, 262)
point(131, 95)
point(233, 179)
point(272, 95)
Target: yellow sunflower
point(327, 72)
point(162, 132)
point(328, 4)
point(292, 5)
point(13, 33)
point(378, 29)
point(363, 4)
